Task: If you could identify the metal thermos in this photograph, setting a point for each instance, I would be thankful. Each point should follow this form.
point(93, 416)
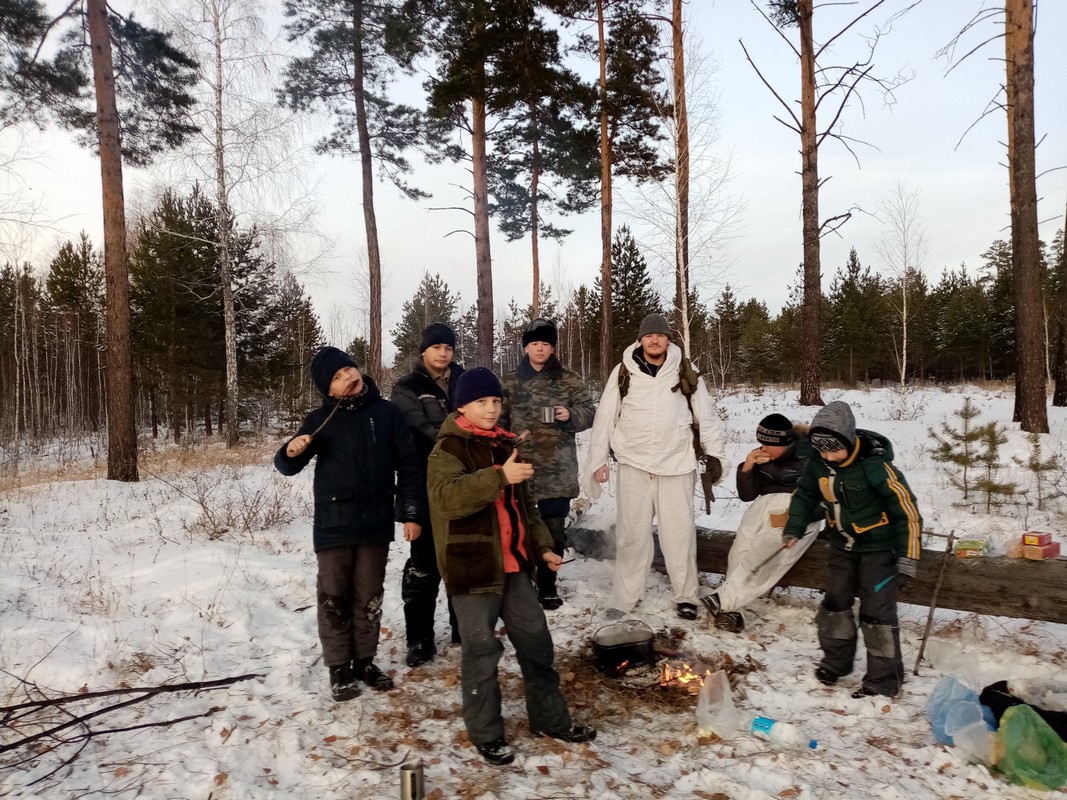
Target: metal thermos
point(548, 414)
point(412, 783)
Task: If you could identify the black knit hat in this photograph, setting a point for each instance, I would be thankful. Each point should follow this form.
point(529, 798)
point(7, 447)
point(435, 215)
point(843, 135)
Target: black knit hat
point(474, 384)
point(654, 323)
point(437, 333)
point(775, 429)
point(541, 330)
point(324, 366)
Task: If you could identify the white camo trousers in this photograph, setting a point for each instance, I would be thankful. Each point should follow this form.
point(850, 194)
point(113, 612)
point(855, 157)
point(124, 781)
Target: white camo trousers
point(754, 542)
point(668, 499)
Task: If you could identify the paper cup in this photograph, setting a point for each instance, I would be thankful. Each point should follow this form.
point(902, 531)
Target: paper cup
point(779, 516)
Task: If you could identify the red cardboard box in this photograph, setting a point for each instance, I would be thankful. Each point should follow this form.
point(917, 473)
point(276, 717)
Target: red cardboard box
point(1040, 553)
point(1037, 538)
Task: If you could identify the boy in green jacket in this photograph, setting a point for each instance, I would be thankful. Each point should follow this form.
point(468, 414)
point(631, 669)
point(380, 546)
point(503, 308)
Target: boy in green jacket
point(489, 537)
point(875, 529)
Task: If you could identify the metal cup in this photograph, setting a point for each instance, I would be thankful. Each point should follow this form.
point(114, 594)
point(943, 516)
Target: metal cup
point(548, 414)
point(412, 782)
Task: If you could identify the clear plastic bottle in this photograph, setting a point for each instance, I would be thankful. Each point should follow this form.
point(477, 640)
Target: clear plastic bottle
point(782, 733)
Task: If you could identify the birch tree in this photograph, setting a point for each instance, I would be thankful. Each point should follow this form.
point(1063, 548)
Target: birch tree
point(902, 250)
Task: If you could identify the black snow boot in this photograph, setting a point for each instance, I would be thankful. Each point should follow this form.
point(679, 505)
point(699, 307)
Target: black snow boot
point(343, 683)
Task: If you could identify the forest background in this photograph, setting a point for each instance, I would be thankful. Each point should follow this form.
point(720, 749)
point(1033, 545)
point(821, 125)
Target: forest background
point(888, 313)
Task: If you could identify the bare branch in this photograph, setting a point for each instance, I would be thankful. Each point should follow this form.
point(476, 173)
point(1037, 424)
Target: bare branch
point(785, 105)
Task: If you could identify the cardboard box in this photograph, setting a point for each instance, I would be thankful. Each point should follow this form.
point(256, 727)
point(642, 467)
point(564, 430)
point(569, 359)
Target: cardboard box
point(970, 548)
point(1016, 550)
point(1037, 538)
point(1040, 553)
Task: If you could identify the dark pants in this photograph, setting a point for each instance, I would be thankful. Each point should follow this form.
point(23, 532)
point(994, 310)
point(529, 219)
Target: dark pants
point(873, 578)
point(418, 590)
point(350, 582)
point(554, 512)
point(528, 632)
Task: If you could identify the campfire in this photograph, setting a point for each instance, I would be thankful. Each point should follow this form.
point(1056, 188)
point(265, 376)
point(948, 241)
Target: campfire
point(682, 677)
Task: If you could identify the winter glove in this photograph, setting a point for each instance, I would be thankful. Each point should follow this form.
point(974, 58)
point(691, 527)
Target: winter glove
point(709, 476)
point(907, 568)
point(712, 469)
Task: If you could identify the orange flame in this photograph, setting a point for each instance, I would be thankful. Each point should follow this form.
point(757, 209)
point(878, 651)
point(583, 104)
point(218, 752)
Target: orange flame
point(683, 676)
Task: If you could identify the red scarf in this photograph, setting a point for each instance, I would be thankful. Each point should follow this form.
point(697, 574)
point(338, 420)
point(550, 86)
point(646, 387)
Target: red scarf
point(508, 499)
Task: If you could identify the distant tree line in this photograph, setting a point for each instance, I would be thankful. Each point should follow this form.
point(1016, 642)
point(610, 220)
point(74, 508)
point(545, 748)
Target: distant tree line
point(52, 353)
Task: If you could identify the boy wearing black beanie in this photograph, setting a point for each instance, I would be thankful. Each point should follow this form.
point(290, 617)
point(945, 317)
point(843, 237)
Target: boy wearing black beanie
point(757, 560)
point(539, 385)
point(425, 396)
point(364, 458)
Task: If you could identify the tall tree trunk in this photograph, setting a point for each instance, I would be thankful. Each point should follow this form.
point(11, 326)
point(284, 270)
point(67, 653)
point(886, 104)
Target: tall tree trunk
point(904, 326)
point(810, 324)
point(229, 313)
point(606, 342)
point(370, 221)
point(681, 180)
point(121, 421)
point(535, 180)
point(1059, 366)
point(483, 257)
point(1030, 392)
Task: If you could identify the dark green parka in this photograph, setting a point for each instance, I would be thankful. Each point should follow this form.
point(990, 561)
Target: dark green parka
point(464, 482)
point(868, 504)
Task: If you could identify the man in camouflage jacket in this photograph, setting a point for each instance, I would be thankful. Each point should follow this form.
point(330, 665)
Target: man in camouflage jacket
point(540, 381)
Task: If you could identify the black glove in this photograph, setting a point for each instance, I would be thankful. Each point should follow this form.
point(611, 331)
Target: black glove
point(712, 469)
point(907, 569)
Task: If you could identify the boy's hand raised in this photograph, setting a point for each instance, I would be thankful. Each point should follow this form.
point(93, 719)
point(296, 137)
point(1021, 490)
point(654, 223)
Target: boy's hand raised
point(297, 445)
point(516, 471)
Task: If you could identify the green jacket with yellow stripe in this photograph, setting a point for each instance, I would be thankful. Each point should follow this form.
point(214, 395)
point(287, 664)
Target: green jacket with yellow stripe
point(868, 504)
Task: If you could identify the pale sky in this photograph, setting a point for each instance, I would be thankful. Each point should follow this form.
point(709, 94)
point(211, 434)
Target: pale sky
point(964, 189)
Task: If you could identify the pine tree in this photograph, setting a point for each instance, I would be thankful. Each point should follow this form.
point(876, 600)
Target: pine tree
point(299, 337)
point(991, 437)
point(959, 446)
point(75, 297)
point(1041, 469)
point(544, 148)
point(857, 323)
point(357, 50)
point(432, 302)
point(632, 295)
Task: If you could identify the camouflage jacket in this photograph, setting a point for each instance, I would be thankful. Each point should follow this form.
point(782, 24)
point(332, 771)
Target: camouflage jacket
point(550, 447)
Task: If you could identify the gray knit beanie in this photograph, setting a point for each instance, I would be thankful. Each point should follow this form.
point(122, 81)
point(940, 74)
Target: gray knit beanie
point(833, 428)
point(654, 323)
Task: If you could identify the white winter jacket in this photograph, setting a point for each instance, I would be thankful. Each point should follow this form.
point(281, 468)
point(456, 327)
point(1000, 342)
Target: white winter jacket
point(650, 428)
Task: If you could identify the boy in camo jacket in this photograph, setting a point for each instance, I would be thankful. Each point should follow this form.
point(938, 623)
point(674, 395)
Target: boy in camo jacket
point(540, 381)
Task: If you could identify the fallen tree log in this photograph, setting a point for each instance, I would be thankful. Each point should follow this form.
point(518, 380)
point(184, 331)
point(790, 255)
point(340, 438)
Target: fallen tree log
point(996, 585)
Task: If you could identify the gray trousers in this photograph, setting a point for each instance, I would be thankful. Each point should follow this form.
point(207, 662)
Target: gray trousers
point(350, 587)
point(873, 578)
point(526, 627)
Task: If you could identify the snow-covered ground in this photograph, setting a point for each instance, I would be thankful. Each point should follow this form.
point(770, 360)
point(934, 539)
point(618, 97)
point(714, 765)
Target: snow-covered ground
point(106, 585)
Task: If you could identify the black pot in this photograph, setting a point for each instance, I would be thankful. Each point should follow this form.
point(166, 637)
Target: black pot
point(622, 645)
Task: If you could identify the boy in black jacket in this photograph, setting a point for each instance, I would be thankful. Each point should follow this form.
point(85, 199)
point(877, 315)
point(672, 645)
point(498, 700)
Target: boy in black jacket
point(757, 560)
point(365, 457)
point(424, 395)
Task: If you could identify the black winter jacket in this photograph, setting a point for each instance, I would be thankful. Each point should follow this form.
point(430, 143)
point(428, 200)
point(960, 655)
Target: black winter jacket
point(424, 404)
point(365, 459)
point(779, 475)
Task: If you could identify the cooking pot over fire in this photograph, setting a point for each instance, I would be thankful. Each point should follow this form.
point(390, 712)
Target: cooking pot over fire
point(621, 645)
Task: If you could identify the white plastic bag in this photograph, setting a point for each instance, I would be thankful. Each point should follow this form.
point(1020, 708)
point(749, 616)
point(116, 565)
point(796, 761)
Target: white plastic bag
point(716, 712)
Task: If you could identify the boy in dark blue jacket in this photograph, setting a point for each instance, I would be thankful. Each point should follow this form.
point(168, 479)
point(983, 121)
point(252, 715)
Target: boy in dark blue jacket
point(365, 458)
